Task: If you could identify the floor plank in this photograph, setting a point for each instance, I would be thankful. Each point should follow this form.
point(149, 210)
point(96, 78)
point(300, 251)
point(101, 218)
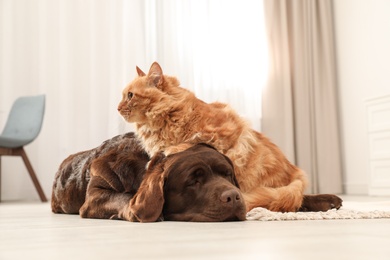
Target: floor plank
point(30, 230)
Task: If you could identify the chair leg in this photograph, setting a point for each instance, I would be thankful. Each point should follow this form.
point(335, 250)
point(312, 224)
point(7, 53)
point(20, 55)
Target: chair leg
point(32, 175)
point(0, 178)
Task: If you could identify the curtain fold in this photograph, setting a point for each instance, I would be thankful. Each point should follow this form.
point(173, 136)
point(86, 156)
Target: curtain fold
point(300, 110)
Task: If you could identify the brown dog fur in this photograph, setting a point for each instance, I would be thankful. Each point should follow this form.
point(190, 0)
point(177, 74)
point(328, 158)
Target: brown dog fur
point(170, 118)
point(112, 182)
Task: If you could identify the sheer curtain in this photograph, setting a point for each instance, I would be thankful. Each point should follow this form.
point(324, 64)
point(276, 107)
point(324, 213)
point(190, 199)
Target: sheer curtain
point(218, 49)
point(80, 54)
point(300, 110)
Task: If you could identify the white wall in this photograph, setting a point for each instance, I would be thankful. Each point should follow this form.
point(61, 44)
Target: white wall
point(363, 48)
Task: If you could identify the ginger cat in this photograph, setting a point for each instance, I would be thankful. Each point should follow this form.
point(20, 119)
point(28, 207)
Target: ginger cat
point(170, 118)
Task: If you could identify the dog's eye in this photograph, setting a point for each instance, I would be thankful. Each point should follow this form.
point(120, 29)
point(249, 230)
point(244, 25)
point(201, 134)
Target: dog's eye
point(195, 178)
point(194, 183)
point(228, 173)
point(129, 95)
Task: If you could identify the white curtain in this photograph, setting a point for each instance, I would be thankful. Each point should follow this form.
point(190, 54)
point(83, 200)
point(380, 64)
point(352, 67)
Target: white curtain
point(300, 108)
point(81, 54)
point(218, 49)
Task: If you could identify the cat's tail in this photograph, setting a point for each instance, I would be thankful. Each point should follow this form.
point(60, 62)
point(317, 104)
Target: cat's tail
point(282, 199)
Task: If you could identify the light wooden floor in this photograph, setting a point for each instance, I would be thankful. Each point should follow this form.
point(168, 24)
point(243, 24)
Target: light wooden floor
point(31, 231)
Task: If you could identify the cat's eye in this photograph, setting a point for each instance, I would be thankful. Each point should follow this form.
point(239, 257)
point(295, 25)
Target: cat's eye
point(129, 95)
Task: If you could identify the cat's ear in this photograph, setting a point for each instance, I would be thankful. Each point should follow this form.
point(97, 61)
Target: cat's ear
point(140, 72)
point(155, 75)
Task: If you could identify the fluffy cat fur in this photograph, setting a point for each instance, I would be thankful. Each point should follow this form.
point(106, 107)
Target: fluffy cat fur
point(170, 118)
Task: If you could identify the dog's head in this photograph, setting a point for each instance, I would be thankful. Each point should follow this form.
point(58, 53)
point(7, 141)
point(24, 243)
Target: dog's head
point(197, 184)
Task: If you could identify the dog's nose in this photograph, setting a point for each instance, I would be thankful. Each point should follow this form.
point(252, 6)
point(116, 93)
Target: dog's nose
point(230, 196)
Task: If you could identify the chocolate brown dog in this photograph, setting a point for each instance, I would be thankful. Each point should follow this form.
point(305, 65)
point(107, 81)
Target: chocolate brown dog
point(112, 182)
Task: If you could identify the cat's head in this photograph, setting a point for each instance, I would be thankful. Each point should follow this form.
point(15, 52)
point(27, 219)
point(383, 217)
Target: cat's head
point(146, 94)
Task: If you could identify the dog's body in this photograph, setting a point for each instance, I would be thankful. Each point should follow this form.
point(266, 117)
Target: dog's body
point(170, 118)
point(112, 182)
point(122, 154)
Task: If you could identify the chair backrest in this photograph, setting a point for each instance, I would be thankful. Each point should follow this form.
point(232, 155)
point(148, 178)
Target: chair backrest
point(25, 118)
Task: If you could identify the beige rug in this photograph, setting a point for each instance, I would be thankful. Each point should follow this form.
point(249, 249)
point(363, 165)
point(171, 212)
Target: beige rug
point(349, 210)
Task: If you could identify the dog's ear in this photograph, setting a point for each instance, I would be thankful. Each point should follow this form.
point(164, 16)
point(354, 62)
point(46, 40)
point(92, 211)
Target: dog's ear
point(155, 75)
point(140, 72)
point(156, 160)
point(147, 204)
